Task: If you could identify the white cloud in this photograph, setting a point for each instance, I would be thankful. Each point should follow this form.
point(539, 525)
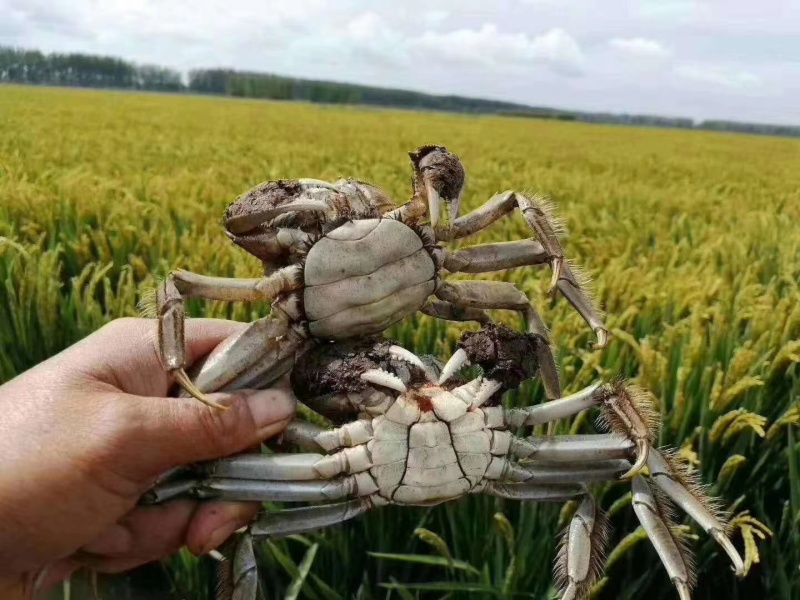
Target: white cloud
point(639, 47)
point(434, 18)
point(735, 79)
point(699, 58)
point(490, 47)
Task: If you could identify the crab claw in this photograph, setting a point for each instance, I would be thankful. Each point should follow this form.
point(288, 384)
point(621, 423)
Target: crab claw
point(434, 202)
point(187, 384)
point(456, 362)
point(439, 175)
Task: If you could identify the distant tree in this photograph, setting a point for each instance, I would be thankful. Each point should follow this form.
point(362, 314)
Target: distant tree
point(31, 66)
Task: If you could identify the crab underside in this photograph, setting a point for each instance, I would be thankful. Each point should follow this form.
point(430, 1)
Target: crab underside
point(421, 436)
point(342, 263)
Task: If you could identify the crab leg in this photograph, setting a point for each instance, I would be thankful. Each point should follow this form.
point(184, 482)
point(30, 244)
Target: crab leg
point(507, 296)
point(302, 435)
point(450, 312)
point(534, 491)
point(662, 534)
point(625, 410)
point(180, 285)
point(244, 575)
point(241, 578)
point(571, 448)
point(693, 502)
point(495, 257)
point(255, 490)
point(580, 559)
point(535, 213)
point(588, 472)
point(308, 518)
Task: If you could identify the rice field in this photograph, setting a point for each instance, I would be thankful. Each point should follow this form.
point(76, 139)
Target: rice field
point(692, 240)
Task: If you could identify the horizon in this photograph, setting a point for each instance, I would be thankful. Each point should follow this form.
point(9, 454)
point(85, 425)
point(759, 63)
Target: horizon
point(674, 58)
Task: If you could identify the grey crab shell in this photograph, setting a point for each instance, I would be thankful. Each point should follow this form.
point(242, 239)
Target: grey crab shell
point(365, 275)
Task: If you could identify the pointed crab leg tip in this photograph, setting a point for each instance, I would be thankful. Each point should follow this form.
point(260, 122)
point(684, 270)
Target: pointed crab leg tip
point(724, 541)
point(458, 360)
point(187, 384)
point(642, 454)
point(558, 264)
point(602, 338)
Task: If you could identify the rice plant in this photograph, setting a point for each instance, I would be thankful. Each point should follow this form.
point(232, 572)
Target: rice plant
point(691, 239)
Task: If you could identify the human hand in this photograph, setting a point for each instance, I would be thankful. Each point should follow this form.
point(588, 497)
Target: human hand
point(84, 434)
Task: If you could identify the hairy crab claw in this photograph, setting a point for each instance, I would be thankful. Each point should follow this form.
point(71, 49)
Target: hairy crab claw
point(440, 176)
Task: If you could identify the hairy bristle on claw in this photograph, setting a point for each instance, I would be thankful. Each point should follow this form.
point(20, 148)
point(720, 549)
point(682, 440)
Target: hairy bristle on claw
point(548, 208)
point(587, 285)
point(682, 472)
point(668, 513)
point(642, 407)
point(148, 303)
point(599, 537)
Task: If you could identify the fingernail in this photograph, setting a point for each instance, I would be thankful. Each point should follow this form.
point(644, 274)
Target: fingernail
point(219, 535)
point(270, 406)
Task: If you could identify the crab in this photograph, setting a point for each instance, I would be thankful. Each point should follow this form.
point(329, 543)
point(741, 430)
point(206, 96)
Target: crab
point(416, 434)
point(342, 261)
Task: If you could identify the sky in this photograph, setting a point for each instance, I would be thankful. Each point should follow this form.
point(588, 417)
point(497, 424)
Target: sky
point(720, 59)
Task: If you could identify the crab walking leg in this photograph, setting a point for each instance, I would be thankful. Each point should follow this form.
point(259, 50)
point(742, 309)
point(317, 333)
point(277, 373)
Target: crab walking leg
point(535, 213)
point(495, 257)
point(256, 358)
point(242, 571)
point(693, 503)
point(571, 448)
point(302, 435)
point(308, 518)
point(180, 285)
point(622, 407)
point(553, 410)
point(280, 524)
point(662, 534)
point(507, 296)
point(450, 312)
point(534, 491)
point(587, 472)
point(255, 490)
point(582, 550)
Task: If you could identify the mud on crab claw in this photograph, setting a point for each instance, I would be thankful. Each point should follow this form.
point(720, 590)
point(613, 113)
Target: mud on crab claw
point(415, 433)
point(341, 260)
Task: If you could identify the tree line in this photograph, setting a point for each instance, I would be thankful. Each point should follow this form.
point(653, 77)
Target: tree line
point(86, 70)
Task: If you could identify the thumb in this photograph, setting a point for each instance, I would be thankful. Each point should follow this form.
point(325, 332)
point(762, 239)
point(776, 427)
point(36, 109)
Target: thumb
point(177, 431)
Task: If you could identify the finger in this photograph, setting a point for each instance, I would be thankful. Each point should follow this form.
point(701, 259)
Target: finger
point(126, 351)
point(214, 522)
point(175, 431)
point(146, 533)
